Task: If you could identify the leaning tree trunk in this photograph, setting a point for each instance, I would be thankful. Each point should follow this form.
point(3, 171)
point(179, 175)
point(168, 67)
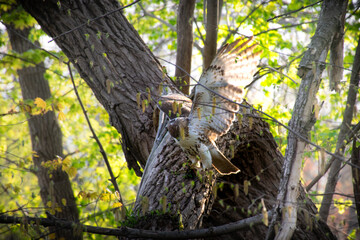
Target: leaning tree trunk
point(119, 58)
point(115, 63)
point(46, 139)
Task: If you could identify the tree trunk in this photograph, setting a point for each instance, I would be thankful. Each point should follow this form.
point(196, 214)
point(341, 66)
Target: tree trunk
point(184, 45)
point(344, 129)
point(46, 139)
point(213, 8)
point(108, 53)
point(168, 185)
point(303, 119)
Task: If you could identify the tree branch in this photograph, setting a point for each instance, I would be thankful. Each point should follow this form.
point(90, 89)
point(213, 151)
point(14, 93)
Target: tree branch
point(136, 233)
point(102, 151)
point(294, 11)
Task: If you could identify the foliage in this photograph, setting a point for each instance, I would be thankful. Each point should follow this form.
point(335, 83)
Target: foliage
point(283, 41)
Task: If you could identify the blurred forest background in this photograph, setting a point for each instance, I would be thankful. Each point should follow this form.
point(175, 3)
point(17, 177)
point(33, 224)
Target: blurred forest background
point(283, 29)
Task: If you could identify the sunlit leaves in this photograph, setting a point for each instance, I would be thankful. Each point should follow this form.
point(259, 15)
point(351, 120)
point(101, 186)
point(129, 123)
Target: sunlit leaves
point(342, 204)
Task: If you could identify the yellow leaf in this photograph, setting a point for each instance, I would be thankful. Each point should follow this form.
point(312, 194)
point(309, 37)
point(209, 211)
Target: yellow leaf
point(82, 194)
point(149, 94)
point(63, 201)
point(34, 153)
point(232, 148)
point(138, 99)
point(265, 213)
point(93, 195)
point(143, 106)
point(174, 107)
point(61, 116)
point(27, 108)
point(179, 108)
point(72, 172)
point(108, 86)
point(66, 161)
point(163, 201)
point(239, 117)
point(52, 236)
point(215, 190)
point(213, 105)
point(49, 204)
point(116, 205)
point(246, 187)
point(199, 113)
point(322, 161)
point(40, 103)
point(160, 88)
point(182, 132)
point(59, 106)
point(236, 190)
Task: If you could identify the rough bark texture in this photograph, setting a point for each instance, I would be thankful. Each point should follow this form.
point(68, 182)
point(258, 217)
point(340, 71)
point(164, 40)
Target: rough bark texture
point(255, 153)
point(168, 184)
point(108, 52)
point(302, 120)
point(184, 44)
point(344, 129)
point(46, 139)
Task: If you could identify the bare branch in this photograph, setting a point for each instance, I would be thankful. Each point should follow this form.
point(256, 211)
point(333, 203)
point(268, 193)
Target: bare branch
point(102, 151)
point(132, 233)
point(294, 11)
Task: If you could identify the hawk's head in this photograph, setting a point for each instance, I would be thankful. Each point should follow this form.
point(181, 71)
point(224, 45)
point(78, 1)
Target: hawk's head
point(179, 127)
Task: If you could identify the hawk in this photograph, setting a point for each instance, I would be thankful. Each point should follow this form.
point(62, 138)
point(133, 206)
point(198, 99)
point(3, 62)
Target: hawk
point(215, 99)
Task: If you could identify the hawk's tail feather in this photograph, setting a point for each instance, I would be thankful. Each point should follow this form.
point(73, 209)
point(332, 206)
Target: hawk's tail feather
point(221, 163)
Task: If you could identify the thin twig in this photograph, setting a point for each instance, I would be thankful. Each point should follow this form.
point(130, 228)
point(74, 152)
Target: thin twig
point(294, 11)
point(286, 26)
point(102, 151)
point(281, 73)
point(231, 32)
point(94, 19)
point(328, 165)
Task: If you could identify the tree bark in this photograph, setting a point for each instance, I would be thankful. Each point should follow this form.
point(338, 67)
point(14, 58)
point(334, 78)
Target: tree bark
point(213, 10)
point(184, 44)
point(46, 139)
point(108, 53)
point(168, 186)
point(344, 129)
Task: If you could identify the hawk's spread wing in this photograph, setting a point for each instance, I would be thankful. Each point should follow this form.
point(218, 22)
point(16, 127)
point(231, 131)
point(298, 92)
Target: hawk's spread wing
point(231, 70)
